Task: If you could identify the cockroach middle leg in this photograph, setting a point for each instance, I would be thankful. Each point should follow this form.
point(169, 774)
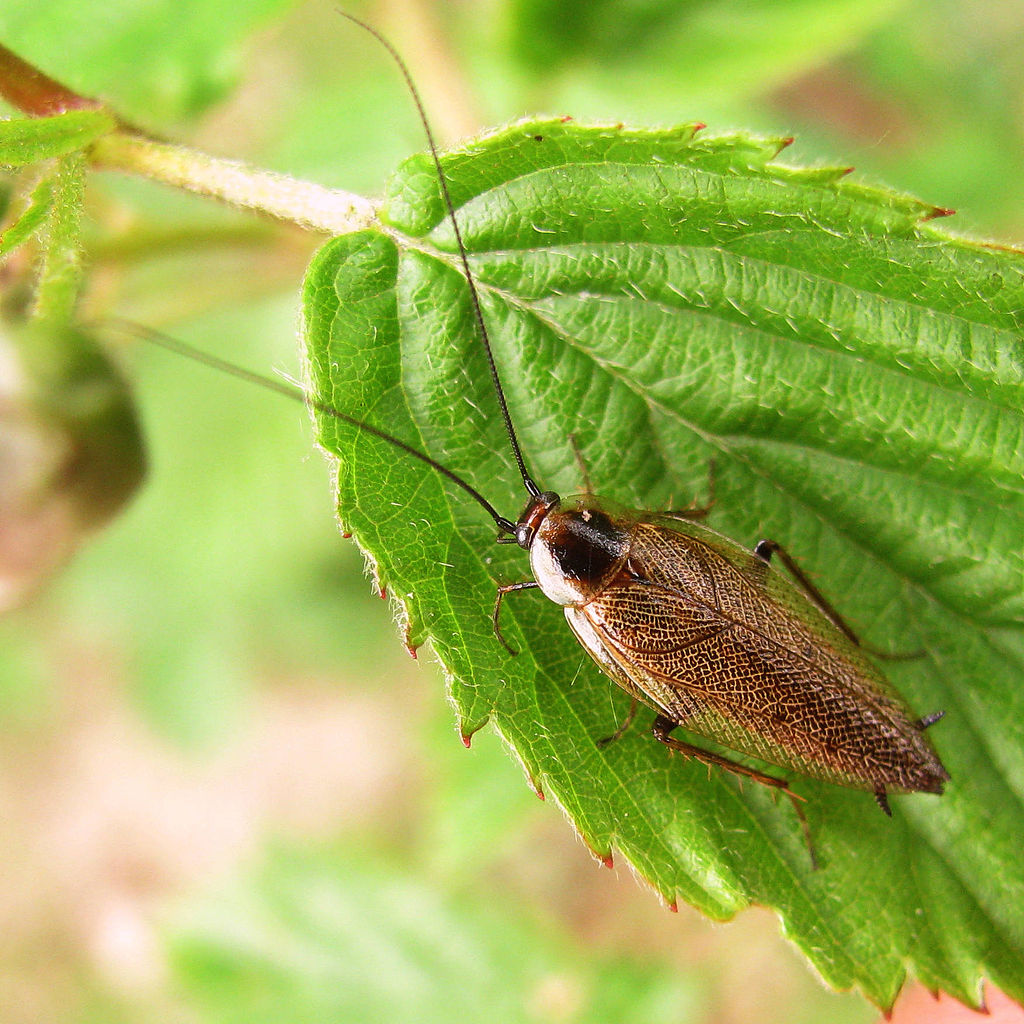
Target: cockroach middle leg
point(663, 726)
point(696, 511)
point(581, 464)
point(623, 726)
point(508, 588)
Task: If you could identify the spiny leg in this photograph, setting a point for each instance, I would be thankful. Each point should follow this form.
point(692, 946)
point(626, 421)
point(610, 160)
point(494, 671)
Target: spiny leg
point(508, 588)
point(698, 511)
point(883, 800)
point(927, 720)
point(764, 549)
point(663, 726)
point(582, 464)
point(623, 726)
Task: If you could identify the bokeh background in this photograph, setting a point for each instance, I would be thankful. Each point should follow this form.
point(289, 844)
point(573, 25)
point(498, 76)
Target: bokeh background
point(226, 792)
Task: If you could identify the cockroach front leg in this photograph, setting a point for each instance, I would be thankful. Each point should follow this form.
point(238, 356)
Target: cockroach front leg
point(623, 726)
point(508, 588)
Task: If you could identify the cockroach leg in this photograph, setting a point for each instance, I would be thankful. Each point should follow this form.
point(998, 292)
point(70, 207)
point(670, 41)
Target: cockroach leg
point(698, 511)
point(508, 588)
point(927, 720)
point(623, 726)
point(582, 464)
point(883, 800)
point(663, 726)
point(764, 549)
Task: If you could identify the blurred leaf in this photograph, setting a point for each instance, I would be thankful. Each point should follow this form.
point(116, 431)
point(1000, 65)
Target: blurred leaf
point(346, 938)
point(159, 61)
point(70, 450)
point(695, 52)
point(28, 140)
point(856, 375)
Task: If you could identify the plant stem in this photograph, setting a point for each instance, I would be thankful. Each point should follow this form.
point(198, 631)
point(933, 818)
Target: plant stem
point(60, 271)
point(300, 202)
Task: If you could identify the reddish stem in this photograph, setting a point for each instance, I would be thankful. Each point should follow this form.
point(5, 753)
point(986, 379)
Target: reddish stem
point(32, 92)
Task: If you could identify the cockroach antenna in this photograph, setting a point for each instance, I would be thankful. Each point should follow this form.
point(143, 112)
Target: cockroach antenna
point(474, 296)
point(296, 393)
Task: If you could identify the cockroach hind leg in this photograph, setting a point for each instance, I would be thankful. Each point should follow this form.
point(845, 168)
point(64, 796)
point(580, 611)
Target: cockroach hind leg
point(928, 720)
point(764, 549)
point(606, 741)
point(664, 725)
point(882, 799)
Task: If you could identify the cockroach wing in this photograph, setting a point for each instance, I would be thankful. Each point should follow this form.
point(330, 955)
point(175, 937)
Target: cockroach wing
point(714, 638)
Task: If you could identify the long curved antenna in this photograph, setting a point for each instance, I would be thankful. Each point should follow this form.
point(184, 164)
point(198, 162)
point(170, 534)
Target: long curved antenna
point(533, 489)
point(298, 395)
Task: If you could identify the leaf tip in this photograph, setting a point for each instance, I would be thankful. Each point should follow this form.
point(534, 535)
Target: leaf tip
point(604, 857)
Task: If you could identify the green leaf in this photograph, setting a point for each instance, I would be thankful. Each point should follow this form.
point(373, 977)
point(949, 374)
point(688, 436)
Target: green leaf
point(345, 938)
point(29, 219)
point(29, 140)
point(854, 372)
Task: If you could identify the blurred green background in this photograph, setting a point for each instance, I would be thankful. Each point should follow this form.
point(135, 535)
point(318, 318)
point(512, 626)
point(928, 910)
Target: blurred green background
point(227, 792)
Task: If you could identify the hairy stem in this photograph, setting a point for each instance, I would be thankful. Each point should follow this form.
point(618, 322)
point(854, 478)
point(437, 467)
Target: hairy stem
point(300, 202)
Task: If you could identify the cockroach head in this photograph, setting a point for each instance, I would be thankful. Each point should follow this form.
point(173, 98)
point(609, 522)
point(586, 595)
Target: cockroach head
point(533, 515)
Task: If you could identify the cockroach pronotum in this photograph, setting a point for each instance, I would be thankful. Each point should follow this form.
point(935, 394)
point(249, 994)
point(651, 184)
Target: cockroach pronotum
point(703, 631)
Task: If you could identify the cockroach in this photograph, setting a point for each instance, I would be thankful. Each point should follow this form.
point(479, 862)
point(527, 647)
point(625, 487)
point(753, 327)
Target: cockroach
point(705, 632)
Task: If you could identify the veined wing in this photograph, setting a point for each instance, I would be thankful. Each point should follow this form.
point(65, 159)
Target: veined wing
point(730, 649)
